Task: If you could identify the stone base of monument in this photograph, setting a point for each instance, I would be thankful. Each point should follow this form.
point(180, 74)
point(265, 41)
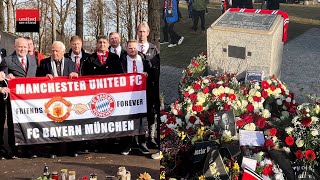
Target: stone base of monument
point(239, 42)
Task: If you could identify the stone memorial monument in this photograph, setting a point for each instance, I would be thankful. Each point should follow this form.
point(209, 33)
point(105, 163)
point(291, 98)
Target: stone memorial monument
point(246, 41)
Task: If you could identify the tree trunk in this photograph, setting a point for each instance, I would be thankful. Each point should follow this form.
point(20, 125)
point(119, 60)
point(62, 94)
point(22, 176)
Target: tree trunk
point(129, 25)
point(79, 18)
point(118, 14)
point(154, 22)
point(100, 10)
point(10, 15)
point(1, 16)
point(54, 33)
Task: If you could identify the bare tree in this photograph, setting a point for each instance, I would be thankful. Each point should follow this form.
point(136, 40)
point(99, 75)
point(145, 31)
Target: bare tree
point(79, 18)
point(2, 22)
point(63, 12)
point(53, 21)
point(10, 15)
point(100, 10)
point(118, 14)
point(154, 21)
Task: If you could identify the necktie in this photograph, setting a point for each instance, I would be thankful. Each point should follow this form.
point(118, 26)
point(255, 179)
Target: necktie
point(142, 48)
point(59, 68)
point(134, 66)
point(115, 51)
point(23, 64)
point(77, 62)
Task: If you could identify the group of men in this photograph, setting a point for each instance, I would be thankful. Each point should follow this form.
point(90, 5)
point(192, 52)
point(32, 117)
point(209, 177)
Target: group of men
point(140, 56)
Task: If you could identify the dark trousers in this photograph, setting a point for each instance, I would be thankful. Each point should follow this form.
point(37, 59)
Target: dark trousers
point(6, 113)
point(174, 37)
point(165, 31)
point(196, 16)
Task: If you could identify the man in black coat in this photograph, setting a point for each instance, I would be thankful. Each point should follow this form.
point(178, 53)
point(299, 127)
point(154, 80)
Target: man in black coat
point(153, 94)
point(19, 64)
point(57, 64)
point(134, 62)
point(76, 53)
point(115, 41)
point(102, 62)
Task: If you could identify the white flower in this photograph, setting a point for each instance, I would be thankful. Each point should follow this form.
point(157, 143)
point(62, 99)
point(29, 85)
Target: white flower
point(258, 94)
point(191, 91)
point(286, 149)
point(163, 118)
point(266, 113)
point(279, 102)
point(285, 114)
point(299, 142)
point(175, 112)
point(226, 90)
point(178, 121)
point(205, 81)
point(314, 119)
point(172, 126)
point(187, 117)
point(250, 127)
point(288, 99)
point(267, 161)
point(314, 132)
point(289, 130)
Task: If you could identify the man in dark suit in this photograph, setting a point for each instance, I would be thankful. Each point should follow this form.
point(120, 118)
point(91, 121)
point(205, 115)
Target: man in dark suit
point(19, 64)
point(134, 62)
point(57, 64)
point(153, 94)
point(102, 62)
point(76, 53)
point(115, 41)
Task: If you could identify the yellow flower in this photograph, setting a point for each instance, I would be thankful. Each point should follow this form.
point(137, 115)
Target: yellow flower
point(163, 175)
point(236, 167)
point(200, 131)
point(145, 176)
point(202, 177)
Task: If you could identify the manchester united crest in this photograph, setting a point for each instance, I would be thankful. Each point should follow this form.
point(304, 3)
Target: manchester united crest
point(102, 105)
point(58, 109)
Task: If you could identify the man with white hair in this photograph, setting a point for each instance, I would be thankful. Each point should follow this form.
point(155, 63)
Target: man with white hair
point(19, 64)
point(57, 64)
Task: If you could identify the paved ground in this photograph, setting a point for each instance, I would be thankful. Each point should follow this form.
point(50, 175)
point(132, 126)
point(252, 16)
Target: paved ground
point(300, 68)
point(103, 164)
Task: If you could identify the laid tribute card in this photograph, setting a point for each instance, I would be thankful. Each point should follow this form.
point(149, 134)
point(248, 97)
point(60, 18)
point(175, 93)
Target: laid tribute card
point(249, 163)
point(251, 138)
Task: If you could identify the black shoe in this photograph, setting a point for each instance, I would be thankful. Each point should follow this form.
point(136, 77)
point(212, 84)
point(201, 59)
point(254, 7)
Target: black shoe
point(126, 151)
point(152, 143)
point(3, 152)
point(144, 149)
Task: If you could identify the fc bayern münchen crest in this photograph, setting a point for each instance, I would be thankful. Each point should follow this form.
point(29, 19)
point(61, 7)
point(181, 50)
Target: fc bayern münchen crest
point(102, 105)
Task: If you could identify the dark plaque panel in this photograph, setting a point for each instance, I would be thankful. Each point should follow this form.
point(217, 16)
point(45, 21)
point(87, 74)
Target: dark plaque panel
point(236, 52)
point(247, 20)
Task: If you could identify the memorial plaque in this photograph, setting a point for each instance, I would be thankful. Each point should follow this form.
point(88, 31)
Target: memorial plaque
point(247, 20)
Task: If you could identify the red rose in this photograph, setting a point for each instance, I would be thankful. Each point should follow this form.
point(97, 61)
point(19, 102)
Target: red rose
point(201, 117)
point(265, 85)
point(211, 119)
point(268, 144)
point(205, 90)
point(232, 97)
point(179, 112)
point(306, 121)
point(310, 155)
point(195, 63)
point(250, 108)
point(172, 121)
point(240, 123)
point(247, 118)
point(273, 88)
point(256, 98)
point(194, 108)
point(199, 108)
point(186, 94)
point(226, 107)
point(264, 94)
point(193, 97)
point(261, 122)
point(299, 154)
point(192, 119)
point(272, 131)
point(189, 72)
point(196, 87)
point(222, 95)
point(289, 140)
point(267, 170)
point(213, 85)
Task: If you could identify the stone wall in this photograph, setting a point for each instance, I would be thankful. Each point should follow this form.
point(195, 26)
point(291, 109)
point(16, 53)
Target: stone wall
point(7, 42)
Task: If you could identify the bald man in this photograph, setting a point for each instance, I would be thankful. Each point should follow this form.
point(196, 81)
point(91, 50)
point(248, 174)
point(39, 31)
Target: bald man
point(57, 64)
point(19, 64)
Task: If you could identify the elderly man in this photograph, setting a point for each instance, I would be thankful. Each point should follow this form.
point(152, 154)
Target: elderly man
point(152, 55)
point(115, 41)
point(102, 62)
point(76, 53)
point(57, 64)
point(19, 64)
